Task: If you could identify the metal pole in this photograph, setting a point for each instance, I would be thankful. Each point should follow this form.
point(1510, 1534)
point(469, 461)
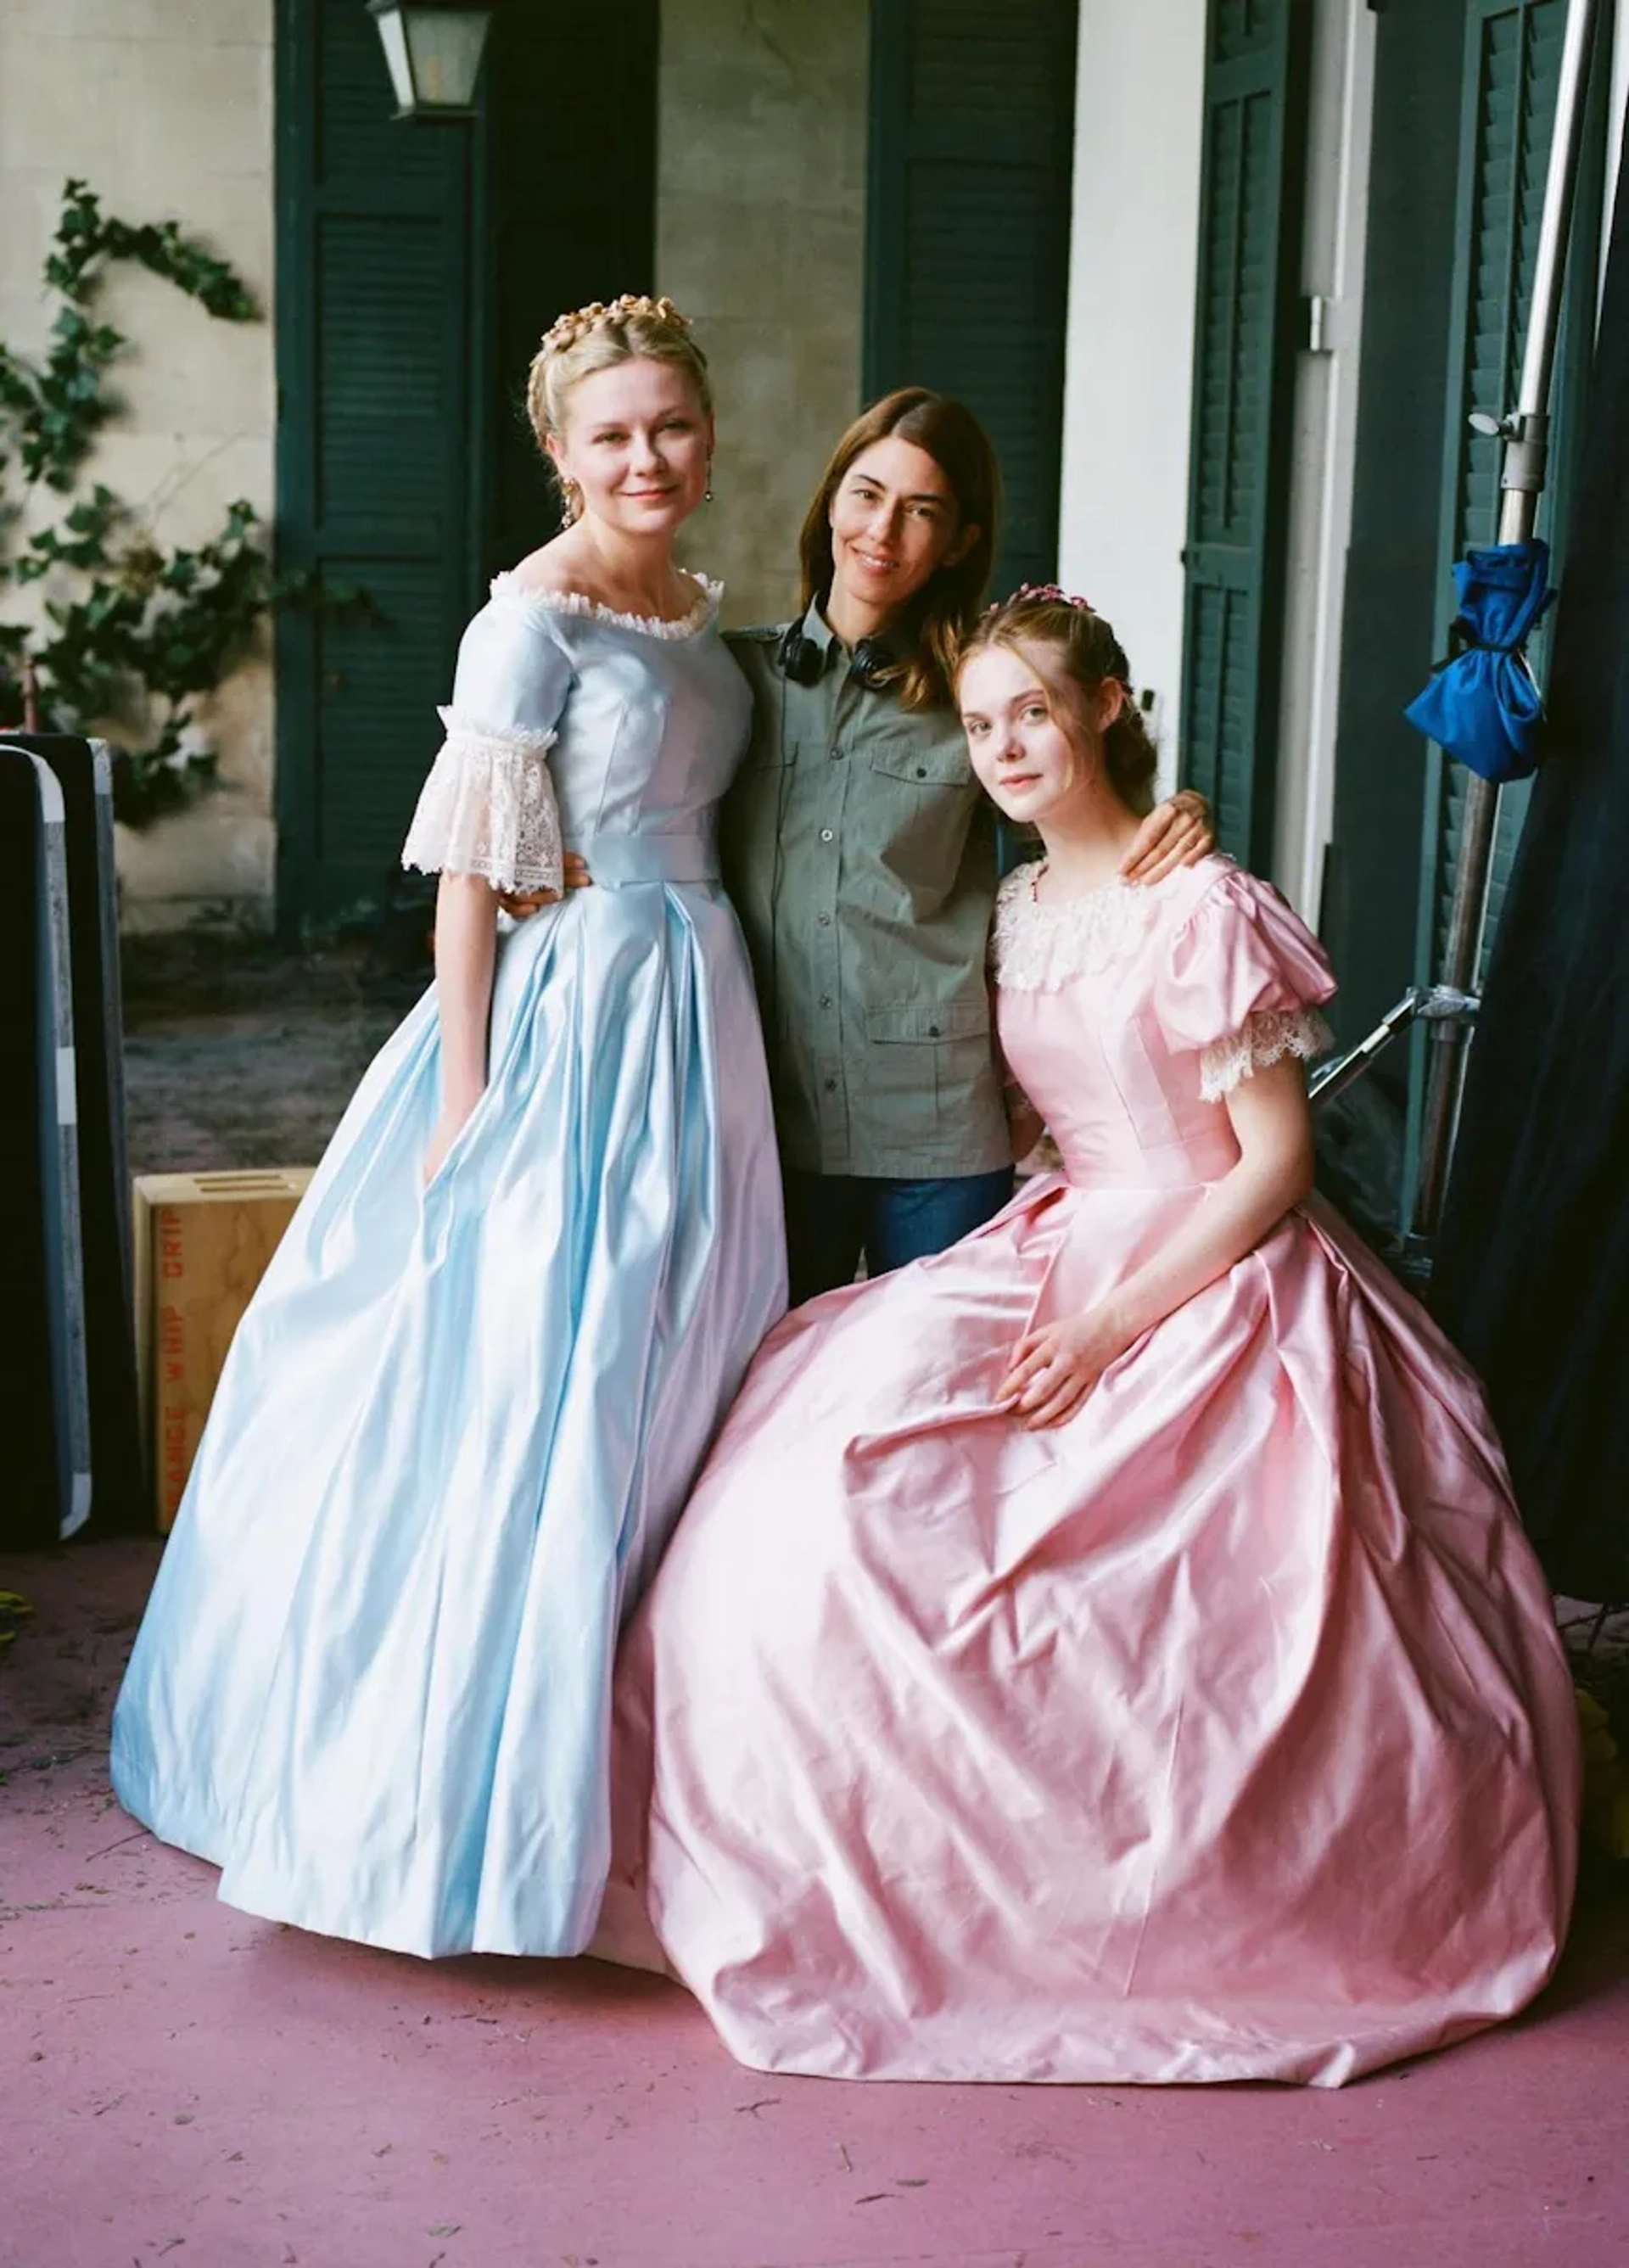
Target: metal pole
point(1521, 480)
point(1427, 1003)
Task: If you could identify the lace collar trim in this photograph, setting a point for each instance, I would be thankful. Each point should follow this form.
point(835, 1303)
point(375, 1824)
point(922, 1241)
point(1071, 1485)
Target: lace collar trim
point(508, 586)
point(1038, 948)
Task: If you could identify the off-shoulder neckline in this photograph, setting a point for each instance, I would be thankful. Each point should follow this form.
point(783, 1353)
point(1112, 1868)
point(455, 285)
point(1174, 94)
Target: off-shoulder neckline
point(509, 586)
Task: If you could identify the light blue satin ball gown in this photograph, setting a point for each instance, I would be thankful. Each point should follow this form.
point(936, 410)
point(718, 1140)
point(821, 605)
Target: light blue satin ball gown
point(458, 1422)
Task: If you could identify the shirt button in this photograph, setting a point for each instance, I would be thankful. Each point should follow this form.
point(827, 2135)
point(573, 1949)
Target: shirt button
point(825, 999)
point(831, 1087)
point(921, 771)
point(825, 921)
point(826, 835)
point(932, 1031)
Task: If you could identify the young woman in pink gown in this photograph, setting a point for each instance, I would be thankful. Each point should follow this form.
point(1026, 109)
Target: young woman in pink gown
point(1107, 1650)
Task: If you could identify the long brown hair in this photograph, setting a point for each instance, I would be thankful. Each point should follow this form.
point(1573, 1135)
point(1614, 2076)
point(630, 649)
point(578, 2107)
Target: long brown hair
point(944, 610)
point(1075, 653)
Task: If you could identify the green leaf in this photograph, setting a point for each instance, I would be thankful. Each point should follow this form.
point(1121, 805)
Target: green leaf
point(131, 630)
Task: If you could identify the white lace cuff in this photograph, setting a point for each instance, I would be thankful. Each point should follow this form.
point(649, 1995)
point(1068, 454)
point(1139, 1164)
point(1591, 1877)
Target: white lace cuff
point(1264, 1038)
point(489, 808)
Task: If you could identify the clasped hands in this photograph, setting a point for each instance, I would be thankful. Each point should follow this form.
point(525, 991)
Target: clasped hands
point(1055, 1368)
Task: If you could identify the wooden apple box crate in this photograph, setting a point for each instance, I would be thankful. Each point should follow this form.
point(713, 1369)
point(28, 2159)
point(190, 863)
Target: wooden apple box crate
point(202, 1244)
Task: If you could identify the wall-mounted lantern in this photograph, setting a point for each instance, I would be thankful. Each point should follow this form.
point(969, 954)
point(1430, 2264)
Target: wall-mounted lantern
point(434, 54)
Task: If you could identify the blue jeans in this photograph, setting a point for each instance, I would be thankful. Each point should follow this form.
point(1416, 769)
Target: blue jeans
point(832, 1218)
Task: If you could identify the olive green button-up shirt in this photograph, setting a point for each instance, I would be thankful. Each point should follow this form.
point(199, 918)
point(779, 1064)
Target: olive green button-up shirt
point(861, 858)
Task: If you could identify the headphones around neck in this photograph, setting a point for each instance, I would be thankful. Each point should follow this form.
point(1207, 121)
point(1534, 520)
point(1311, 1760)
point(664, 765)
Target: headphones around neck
point(872, 663)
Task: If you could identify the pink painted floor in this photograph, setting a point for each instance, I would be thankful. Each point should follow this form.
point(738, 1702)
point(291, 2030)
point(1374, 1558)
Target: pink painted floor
point(181, 2083)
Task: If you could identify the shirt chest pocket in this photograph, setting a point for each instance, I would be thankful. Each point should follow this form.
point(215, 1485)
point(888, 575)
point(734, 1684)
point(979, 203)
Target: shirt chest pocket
point(920, 796)
point(929, 768)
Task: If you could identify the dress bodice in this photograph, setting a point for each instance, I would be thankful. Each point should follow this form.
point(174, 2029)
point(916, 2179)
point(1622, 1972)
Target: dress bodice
point(1128, 1013)
point(642, 723)
point(651, 717)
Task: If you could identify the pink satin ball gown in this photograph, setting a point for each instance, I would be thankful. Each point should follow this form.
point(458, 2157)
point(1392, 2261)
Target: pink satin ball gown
point(1222, 1732)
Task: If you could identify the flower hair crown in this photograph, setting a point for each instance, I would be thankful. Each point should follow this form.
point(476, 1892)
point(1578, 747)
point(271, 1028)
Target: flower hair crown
point(567, 329)
point(1053, 591)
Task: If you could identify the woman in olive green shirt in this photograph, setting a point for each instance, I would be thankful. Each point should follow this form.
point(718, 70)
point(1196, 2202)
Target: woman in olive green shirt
point(862, 858)
point(861, 855)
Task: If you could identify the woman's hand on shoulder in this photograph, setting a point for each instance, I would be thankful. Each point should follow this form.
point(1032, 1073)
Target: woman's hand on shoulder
point(1174, 834)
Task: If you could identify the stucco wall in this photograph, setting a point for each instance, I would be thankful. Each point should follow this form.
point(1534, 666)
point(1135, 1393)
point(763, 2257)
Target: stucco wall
point(164, 109)
point(760, 239)
point(1139, 125)
point(1324, 446)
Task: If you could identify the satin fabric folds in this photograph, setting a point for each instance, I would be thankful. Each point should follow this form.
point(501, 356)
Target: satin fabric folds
point(458, 1422)
point(1221, 1734)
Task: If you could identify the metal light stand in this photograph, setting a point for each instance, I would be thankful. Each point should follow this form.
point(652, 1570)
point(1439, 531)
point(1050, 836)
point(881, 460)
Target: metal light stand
point(1449, 1007)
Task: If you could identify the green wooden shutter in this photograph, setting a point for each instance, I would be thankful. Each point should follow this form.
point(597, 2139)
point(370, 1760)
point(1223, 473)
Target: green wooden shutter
point(373, 316)
point(1511, 67)
point(1245, 365)
point(967, 282)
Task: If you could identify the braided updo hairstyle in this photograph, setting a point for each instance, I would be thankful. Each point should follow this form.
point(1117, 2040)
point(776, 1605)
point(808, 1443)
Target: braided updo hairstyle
point(1075, 653)
point(634, 327)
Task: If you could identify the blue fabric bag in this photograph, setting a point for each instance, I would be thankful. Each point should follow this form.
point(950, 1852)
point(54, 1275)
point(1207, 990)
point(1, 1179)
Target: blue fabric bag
point(1482, 704)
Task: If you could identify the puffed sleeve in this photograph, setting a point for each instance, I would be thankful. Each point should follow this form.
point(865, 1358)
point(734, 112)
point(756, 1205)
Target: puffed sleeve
point(488, 806)
point(1242, 984)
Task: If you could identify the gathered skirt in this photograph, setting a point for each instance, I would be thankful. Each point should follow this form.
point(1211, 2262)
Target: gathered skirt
point(1222, 1732)
point(451, 1438)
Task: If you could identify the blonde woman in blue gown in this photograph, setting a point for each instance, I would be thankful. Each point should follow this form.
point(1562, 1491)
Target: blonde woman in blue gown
point(468, 1401)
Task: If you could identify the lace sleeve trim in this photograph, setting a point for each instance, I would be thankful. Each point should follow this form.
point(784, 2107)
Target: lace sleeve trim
point(488, 808)
point(1264, 1039)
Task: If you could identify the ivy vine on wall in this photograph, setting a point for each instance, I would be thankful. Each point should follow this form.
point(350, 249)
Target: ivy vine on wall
point(134, 634)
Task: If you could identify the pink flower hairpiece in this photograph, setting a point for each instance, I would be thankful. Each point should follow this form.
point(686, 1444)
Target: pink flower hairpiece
point(1043, 591)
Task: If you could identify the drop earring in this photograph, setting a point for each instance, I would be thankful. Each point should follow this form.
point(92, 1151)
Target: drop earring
point(707, 492)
